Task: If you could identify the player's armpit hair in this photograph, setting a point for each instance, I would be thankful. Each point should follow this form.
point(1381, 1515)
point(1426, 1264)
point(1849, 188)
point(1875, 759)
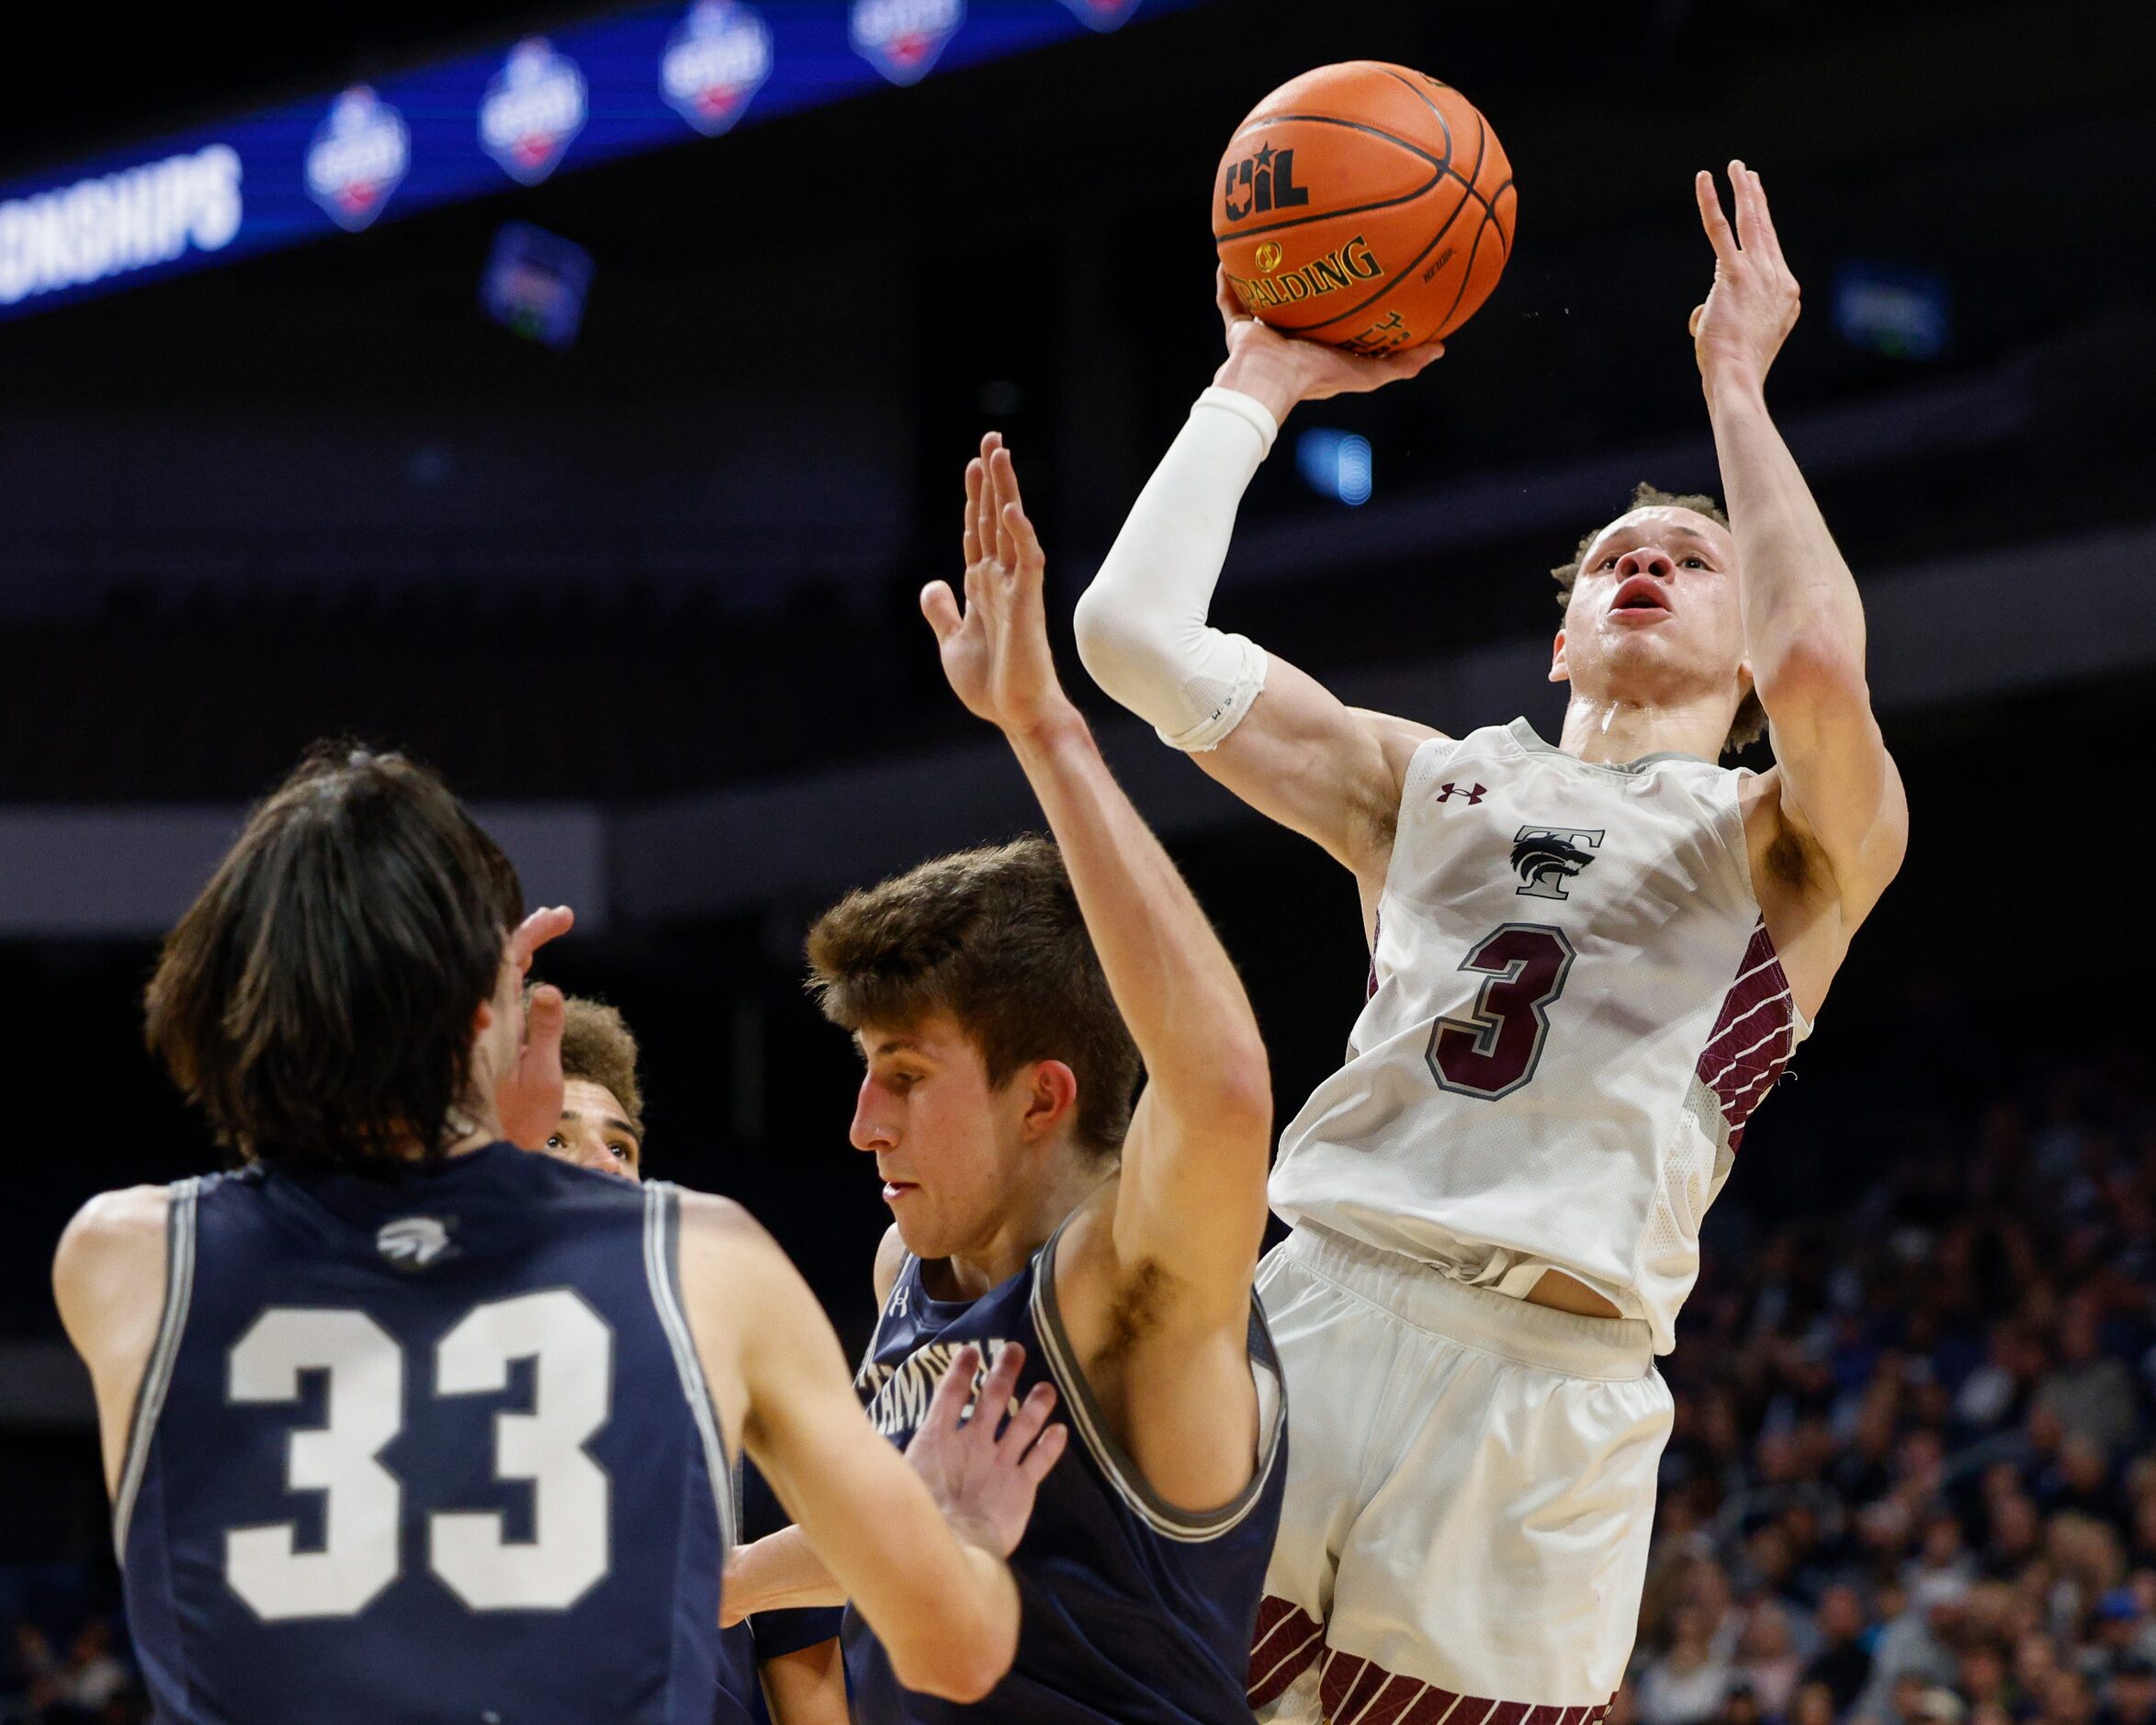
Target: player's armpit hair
point(995, 939)
point(598, 1047)
point(1750, 724)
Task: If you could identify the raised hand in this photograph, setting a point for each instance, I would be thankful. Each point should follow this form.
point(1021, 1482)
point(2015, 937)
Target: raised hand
point(982, 1478)
point(1753, 303)
point(528, 1097)
point(1281, 370)
point(995, 651)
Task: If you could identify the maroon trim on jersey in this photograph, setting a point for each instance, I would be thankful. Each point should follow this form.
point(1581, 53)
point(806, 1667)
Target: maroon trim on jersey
point(1287, 1644)
point(1755, 1035)
point(1377, 927)
point(1355, 1692)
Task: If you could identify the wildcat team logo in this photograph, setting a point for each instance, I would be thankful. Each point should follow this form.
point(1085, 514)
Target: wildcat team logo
point(358, 155)
point(901, 39)
point(531, 111)
point(715, 60)
point(1546, 857)
point(1101, 15)
point(413, 1242)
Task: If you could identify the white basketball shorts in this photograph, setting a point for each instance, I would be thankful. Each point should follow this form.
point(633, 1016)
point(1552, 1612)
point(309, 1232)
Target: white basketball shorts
point(1470, 1497)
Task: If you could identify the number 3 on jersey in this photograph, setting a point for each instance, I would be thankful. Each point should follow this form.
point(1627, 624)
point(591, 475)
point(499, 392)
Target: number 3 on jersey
point(1497, 1051)
point(571, 1350)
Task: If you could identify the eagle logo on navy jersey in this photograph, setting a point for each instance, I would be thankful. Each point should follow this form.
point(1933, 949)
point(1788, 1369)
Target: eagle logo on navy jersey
point(1546, 857)
point(413, 1242)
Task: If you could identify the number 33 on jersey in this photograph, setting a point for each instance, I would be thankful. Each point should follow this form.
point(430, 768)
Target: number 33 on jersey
point(1573, 1010)
point(429, 1448)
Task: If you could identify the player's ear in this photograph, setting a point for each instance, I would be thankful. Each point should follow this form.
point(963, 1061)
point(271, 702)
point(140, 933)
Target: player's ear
point(1051, 1098)
point(1559, 671)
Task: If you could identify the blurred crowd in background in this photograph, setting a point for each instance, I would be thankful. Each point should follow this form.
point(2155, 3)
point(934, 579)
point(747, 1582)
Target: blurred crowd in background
point(1908, 1483)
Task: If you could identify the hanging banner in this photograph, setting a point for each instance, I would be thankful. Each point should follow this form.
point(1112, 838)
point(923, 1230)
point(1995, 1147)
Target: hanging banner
point(485, 123)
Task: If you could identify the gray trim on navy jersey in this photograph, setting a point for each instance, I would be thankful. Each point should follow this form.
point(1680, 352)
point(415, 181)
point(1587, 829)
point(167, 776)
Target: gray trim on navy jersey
point(662, 1266)
point(179, 1289)
point(1189, 1527)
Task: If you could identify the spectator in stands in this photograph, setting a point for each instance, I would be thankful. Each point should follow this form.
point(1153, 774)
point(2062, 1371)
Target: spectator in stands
point(1842, 1665)
point(1687, 1684)
point(2131, 1696)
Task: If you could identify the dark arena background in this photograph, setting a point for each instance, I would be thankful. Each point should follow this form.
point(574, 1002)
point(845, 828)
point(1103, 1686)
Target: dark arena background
point(609, 495)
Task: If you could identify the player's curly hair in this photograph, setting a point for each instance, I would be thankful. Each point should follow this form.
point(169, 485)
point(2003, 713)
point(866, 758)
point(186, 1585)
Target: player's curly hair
point(598, 1047)
point(1750, 724)
point(994, 937)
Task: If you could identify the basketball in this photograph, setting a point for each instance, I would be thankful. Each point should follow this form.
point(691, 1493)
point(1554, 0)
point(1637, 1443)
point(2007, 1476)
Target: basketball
point(1364, 204)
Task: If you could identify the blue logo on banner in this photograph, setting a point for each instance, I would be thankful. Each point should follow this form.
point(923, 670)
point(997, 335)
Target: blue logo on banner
point(1101, 15)
point(357, 156)
point(901, 39)
point(531, 111)
point(715, 60)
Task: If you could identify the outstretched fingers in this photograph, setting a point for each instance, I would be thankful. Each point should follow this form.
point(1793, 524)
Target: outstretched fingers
point(976, 481)
point(1002, 1379)
point(1035, 1464)
point(1762, 219)
point(548, 922)
point(939, 605)
point(1018, 544)
point(987, 510)
point(1030, 1420)
point(1712, 220)
point(948, 1405)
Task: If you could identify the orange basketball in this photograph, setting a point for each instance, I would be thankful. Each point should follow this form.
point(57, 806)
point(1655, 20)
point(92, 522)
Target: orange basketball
point(1364, 204)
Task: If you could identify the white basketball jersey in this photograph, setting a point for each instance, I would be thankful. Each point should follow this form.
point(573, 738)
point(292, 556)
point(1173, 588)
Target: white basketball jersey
point(1574, 1007)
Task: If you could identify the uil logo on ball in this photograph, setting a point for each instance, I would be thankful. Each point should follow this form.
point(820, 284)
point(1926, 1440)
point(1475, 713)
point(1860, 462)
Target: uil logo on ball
point(717, 59)
point(531, 111)
point(1103, 15)
point(902, 39)
point(1259, 184)
point(357, 156)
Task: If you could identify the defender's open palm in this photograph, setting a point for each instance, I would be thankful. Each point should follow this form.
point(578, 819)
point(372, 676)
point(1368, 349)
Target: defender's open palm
point(1753, 303)
point(984, 1480)
point(996, 651)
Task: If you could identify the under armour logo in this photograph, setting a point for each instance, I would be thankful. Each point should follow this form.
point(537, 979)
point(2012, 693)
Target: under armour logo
point(413, 1242)
point(1546, 857)
point(1451, 790)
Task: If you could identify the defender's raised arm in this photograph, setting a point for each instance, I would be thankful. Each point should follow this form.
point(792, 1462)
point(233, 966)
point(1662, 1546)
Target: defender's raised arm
point(1192, 1198)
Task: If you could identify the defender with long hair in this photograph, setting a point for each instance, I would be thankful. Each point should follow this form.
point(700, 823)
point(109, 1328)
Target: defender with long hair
point(402, 1422)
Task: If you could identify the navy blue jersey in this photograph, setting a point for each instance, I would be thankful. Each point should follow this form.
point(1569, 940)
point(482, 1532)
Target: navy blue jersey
point(769, 1634)
point(429, 1448)
point(1133, 1612)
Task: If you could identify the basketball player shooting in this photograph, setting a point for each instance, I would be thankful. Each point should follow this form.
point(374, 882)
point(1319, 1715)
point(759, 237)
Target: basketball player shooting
point(1590, 962)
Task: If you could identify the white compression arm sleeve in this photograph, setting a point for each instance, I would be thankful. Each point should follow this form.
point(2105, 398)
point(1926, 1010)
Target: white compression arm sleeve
point(1141, 632)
